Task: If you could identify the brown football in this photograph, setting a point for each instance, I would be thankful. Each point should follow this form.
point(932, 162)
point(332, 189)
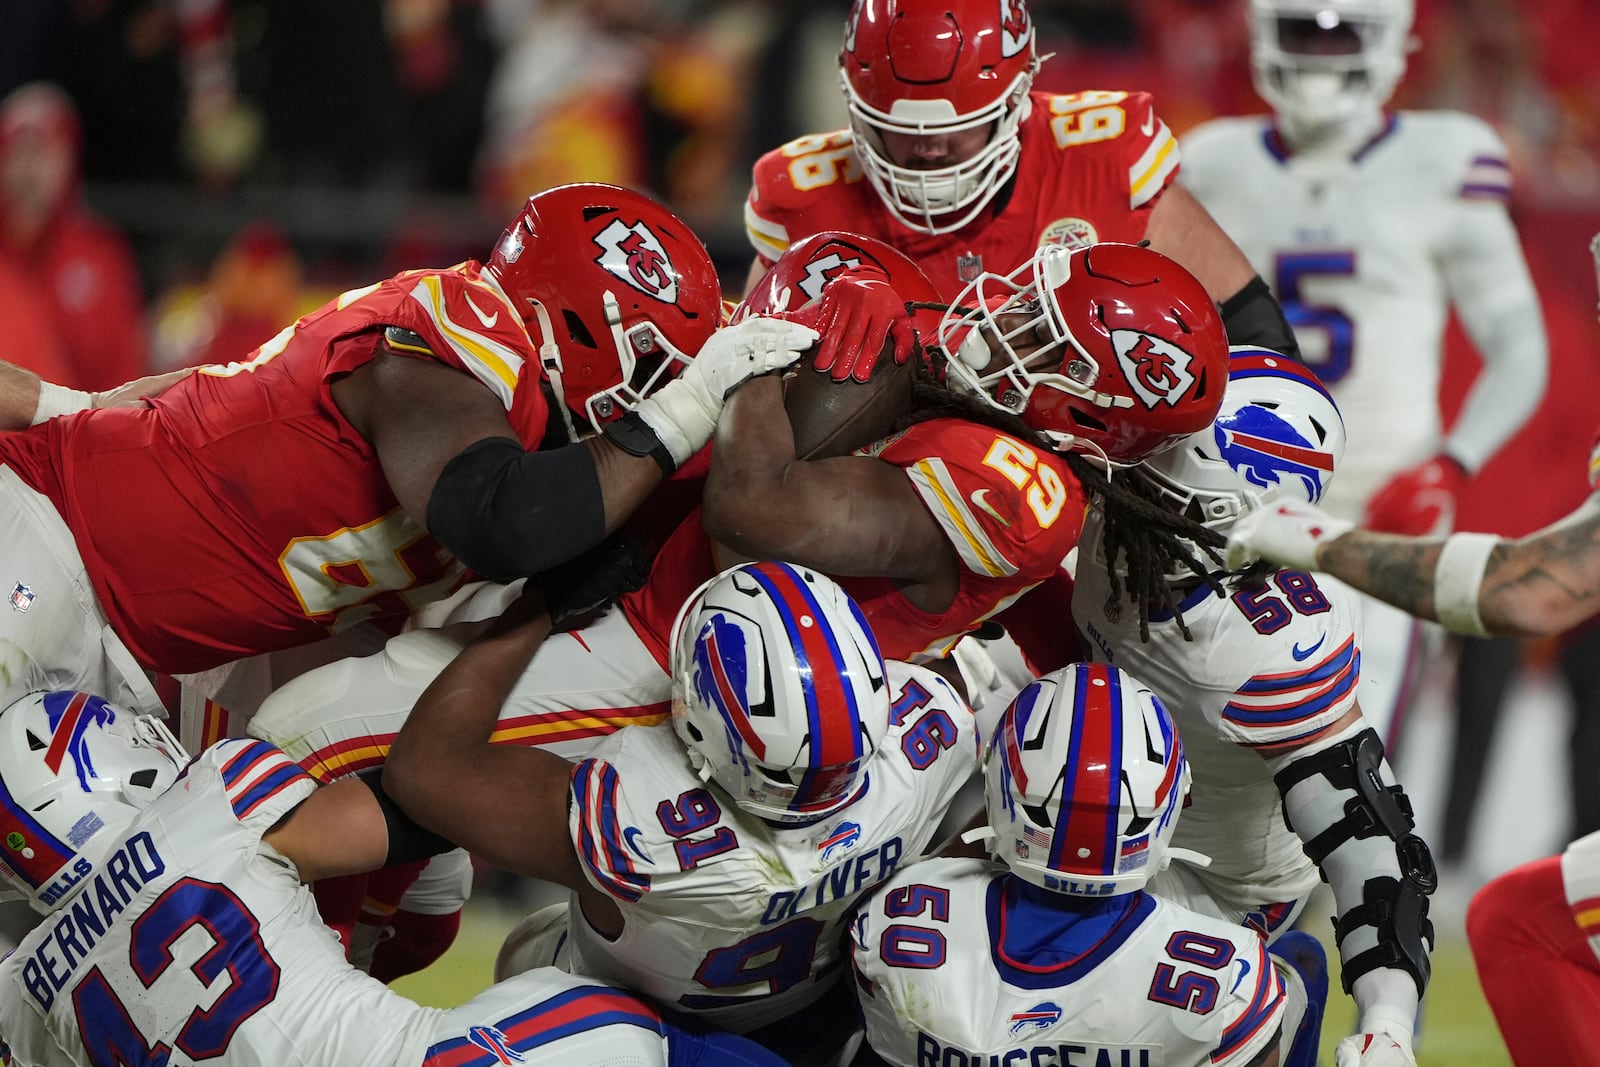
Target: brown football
point(835, 418)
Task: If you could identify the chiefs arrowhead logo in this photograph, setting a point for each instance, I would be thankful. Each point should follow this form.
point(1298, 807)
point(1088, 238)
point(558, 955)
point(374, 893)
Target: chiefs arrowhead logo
point(635, 255)
point(1016, 29)
point(1157, 368)
point(820, 270)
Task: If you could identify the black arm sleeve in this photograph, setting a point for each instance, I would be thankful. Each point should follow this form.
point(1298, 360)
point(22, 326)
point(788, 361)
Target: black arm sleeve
point(1253, 316)
point(407, 840)
point(507, 513)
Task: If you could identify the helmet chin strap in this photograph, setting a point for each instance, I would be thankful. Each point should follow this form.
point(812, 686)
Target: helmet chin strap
point(550, 363)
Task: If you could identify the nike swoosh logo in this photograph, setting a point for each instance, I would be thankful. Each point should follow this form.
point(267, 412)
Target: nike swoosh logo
point(629, 835)
point(980, 502)
point(1244, 972)
point(487, 320)
point(1148, 126)
point(1301, 654)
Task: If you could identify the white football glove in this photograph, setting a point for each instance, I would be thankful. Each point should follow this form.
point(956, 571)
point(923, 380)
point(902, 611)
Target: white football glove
point(683, 413)
point(1386, 1046)
point(1287, 533)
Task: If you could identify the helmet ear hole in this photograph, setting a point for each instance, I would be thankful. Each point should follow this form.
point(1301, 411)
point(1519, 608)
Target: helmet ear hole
point(34, 744)
point(1087, 421)
point(142, 779)
point(577, 330)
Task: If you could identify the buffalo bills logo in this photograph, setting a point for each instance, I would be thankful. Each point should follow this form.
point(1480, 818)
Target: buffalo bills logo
point(1016, 28)
point(1267, 451)
point(1266, 919)
point(1041, 1016)
point(635, 254)
point(493, 1041)
point(842, 838)
point(721, 680)
point(1158, 370)
point(71, 716)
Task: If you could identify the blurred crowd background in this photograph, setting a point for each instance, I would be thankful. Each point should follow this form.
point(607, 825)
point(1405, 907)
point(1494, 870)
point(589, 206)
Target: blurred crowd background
point(180, 178)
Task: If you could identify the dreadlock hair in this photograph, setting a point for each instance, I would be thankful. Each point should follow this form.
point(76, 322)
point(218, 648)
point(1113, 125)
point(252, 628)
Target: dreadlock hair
point(1150, 537)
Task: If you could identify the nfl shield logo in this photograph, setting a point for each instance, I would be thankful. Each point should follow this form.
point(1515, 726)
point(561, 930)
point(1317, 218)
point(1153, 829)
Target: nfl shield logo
point(969, 266)
point(21, 597)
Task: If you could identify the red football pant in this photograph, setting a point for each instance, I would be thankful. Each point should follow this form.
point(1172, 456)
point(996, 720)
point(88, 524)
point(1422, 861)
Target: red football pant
point(1537, 970)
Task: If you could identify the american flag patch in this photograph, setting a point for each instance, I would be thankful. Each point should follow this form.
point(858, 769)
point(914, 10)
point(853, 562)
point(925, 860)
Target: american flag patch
point(21, 597)
point(1038, 837)
point(1138, 844)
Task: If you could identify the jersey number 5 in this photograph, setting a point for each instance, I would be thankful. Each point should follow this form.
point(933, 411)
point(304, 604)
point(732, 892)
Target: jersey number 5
point(1337, 328)
point(109, 1034)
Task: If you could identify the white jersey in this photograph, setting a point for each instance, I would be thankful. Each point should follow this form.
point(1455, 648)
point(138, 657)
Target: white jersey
point(959, 962)
point(1366, 255)
point(733, 918)
point(195, 936)
point(1266, 668)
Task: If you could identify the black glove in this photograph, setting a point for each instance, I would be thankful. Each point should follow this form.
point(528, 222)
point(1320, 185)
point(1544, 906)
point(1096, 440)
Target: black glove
point(588, 582)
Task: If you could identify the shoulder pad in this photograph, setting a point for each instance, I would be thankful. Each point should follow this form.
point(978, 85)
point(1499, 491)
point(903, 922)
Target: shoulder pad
point(400, 339)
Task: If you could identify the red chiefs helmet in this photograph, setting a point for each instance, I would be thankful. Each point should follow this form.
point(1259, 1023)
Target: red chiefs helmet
point(807, 266)
point(927, 67)
point(616, 290)
point(1114, 348)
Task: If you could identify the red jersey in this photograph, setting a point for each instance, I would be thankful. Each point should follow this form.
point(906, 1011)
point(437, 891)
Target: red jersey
point(1092, 166)
point(1011, 511)
point(242, 513)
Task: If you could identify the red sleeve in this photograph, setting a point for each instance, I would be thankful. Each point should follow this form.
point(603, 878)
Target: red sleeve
point(792, 179)
point(1041, 625)
point(1149, 150)
point(1002, 503)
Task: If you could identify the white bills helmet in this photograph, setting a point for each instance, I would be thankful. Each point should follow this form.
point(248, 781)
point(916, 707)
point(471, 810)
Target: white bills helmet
point(74, 771)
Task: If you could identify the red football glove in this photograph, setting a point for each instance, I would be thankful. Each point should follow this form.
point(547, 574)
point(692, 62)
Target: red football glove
point(1419, 501)
point(855, 317)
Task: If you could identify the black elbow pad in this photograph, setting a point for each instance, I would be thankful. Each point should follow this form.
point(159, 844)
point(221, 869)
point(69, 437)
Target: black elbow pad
point(408, 842)
point(1252, 316)
point(508, 514)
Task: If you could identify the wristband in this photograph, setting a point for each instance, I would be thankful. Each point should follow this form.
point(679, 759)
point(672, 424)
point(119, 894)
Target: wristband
point(1457, 578)
point(59, 400)
point(635, 437)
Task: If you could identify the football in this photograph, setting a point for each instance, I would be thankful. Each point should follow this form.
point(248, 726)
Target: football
point(835, 418)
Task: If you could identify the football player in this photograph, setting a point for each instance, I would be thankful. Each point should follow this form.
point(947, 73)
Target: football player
point(931, 530)
point(1261, 675)
point(404, 424)
point(1535, 931)
point(176, 925)
point(1057, 953)
point(713, 859)
point(1371, 225)
point(953, 159)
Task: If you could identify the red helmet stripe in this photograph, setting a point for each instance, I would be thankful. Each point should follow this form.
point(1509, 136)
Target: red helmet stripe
point(61, 740)
point(1085, 839)
point(835, 738)
point(732, 701)
point(1310, 457)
